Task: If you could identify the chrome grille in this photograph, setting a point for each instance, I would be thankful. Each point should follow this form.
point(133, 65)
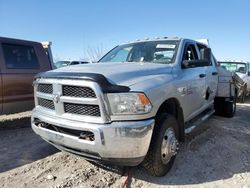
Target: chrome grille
point(46, 103)
point(78, 91)
point(82, 109)
point(45, 88)
point(71, 99)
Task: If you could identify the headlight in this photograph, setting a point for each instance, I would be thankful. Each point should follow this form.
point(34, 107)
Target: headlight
point(129, 103)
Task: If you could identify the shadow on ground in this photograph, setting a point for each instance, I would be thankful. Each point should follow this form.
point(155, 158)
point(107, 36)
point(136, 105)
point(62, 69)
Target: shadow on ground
point(19, 145)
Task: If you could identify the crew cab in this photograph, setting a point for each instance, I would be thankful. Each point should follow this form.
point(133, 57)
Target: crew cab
point(135, 105)
point(242, 69)
point(20, 61)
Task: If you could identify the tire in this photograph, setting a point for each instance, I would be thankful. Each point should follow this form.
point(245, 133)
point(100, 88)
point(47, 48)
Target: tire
point(230, 108)
point(225, 108)
point(159, 161)
point(243, 96)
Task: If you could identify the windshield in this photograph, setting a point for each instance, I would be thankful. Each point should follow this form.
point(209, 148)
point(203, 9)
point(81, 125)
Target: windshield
point(150, 51)
point(60, 64)
point(234, 67)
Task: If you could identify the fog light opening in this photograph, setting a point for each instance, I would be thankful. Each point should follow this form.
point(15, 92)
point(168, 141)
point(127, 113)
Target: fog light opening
point(40, 123)
point(87, 136)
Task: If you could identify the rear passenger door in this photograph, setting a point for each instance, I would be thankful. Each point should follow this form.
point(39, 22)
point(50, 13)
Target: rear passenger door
point(211, 79)
point(22, 60)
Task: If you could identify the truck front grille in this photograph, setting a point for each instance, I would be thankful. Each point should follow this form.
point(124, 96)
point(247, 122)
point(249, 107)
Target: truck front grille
point(46, 103)
point(82, 109)
point(45, 88)
point(77, 91)
point(71, 99)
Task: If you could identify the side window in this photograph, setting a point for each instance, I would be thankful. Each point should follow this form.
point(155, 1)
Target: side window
point(20, 56)
point(190, 53)
point(74, 63)
point(214, 61)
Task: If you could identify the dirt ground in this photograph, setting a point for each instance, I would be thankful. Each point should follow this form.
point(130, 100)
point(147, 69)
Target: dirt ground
point(215, 155)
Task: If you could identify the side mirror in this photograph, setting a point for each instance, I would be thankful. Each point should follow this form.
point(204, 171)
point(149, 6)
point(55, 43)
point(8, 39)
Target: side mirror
point(248, 73)
point(205, 60)
point(206, 54)
point(195, 63)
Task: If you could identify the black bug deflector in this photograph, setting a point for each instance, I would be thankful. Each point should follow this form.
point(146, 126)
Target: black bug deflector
point(105, 85)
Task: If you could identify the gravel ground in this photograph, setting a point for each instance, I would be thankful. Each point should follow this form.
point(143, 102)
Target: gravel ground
point(215, 155)
point(19, 145)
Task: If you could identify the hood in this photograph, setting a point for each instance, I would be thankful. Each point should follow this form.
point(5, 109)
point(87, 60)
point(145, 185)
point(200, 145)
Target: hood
point(243, 76)
point(121, 73)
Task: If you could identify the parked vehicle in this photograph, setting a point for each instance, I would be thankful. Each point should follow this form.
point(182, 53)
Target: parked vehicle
point(135, 105)
point(64, 63)
point(242, 69)
point(20, 61)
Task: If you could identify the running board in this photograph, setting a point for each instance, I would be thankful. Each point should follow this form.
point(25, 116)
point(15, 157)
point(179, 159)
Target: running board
point(201, 118)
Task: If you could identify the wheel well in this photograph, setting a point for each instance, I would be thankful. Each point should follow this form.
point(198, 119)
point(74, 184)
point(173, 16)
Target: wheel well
point(172, 106)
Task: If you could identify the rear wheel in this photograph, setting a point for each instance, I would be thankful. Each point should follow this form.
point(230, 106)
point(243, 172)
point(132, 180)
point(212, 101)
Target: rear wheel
point(225, 107)
point(164, 146)
point(243, 96)
point(230, 108)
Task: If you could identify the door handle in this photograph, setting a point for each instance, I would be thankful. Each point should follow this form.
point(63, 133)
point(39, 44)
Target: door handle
point(202, 75)
point(214, 73)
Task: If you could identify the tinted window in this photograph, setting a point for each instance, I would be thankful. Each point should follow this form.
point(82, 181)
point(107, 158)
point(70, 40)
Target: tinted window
point(60, 64)
point(190, 53)
point(74, 63)
point(20, 56)
point(214, 61)
point(201, 46)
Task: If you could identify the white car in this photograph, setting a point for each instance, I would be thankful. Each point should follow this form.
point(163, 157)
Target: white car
point(242, 69)
point(64, 63)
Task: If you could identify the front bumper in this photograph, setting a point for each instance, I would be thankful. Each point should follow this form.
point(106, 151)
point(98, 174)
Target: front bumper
point(122, 143)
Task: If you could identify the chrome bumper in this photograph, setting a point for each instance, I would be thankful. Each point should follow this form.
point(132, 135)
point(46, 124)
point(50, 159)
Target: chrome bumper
point(124, 143)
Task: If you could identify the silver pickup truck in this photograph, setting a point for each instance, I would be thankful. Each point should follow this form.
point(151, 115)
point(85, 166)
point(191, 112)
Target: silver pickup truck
point(135, 105)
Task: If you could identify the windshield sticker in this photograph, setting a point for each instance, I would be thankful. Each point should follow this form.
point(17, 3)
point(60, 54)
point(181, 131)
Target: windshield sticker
point(171, 46)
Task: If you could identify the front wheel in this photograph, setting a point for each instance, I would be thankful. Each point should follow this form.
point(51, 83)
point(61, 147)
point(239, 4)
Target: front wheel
point(164, 146)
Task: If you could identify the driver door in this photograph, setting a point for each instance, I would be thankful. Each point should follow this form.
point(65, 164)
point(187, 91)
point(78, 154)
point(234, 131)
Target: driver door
point(193, 81)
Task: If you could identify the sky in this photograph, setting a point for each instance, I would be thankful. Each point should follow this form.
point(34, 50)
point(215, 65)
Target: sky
point(75, 27)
